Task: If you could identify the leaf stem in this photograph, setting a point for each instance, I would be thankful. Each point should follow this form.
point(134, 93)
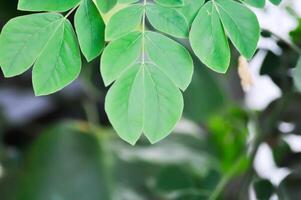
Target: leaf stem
point(72, 10)
point(143, 32)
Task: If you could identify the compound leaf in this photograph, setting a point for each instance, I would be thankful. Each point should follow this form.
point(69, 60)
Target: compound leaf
point(144, 100)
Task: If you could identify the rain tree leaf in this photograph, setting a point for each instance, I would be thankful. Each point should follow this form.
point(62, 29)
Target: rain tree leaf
point(167, 20)
point(172, 58)
point(49, 41)
point(124, 22)
point(127, 50)
point(47, 5)
point(170, 3)
point(190, 9)
point(90, 29)
point(105, 5)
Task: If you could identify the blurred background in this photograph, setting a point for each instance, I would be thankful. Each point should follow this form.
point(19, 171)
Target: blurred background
point(239, 138)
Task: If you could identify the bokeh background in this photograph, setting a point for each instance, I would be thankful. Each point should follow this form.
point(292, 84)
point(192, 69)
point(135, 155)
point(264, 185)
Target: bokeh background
point(235, 141)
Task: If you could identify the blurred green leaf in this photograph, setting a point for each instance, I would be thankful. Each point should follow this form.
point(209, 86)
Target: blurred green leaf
point(174, 178)
point(64, 164)
point(297, 75)
point(296, 34)
point(199, 107)
point(228, 135)
point(289, 188)
point(264, 189)
point(280, 152)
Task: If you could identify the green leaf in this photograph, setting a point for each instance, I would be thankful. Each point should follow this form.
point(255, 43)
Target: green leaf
point(190, 9)
point(90, 29)
point(124, 21)
point(170, 3)
point(59, 64)
point(119, 55)
point(47, 5)
point(240, 24)
point(167, 20)
point(127, 1)
point(276, 2)
point(208, 40)
point(255, 3)
point(297, 75)
point(144, 100)
point(172, 58)
point(72, 167)
point(22, 40)
point(105, 5)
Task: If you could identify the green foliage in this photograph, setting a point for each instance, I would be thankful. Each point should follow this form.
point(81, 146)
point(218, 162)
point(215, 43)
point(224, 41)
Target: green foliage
point(149, 68)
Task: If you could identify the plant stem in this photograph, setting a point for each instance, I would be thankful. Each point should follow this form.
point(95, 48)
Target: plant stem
point(289, 43)
point(260, 137)
point(225, 179)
